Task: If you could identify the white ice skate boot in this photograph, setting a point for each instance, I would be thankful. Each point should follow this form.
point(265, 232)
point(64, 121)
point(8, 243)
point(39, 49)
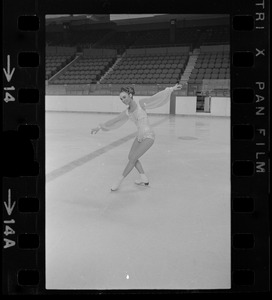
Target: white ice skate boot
point(143, 180)
point(116, 186)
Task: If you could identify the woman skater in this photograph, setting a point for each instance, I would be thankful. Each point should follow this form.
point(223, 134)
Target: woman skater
point(146, 136)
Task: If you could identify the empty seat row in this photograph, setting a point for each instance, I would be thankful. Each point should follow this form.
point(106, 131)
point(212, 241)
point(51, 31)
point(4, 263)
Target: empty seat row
point(223, 58)
point(151, 73)
point(150, 67)
point(54, 64)
point(207, 65)
point(78, 72)
point(78, 76)
point(142, 71)
point(214, 54)
point(219, 70)
point(141, 81)
point(131, 55)
point(159, 58)
point(213, 62)
point(208, 71)
point(118, 81)
point(141, 66)
point(96, 62)
point(209, 76)
point(83, 63)
point(74, 81)
point(159, 62)
point(156, 75)
point(153, 57)
point(87, 66)
point(56, 58)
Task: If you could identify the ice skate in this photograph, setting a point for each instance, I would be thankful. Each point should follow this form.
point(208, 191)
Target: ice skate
point(142, 181)
point(116, 185)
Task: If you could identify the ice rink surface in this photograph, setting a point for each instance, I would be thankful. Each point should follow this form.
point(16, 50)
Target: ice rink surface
point(174, 234)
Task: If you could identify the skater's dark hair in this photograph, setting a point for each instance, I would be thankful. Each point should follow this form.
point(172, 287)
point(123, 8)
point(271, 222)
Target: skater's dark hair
point(128, 89)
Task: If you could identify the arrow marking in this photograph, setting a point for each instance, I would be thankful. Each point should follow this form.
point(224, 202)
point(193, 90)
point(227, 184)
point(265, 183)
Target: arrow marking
point(9, 206)
point(7, 72)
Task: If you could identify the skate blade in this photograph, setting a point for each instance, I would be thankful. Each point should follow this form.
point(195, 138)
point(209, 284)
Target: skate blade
point(142, 183)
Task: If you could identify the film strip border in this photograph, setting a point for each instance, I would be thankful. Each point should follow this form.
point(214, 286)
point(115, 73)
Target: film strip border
point(24, 142)
point(250, 148)
point(22, 193)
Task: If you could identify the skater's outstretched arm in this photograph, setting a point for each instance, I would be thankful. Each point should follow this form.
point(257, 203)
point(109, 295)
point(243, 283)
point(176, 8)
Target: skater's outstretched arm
point(113, 123)
point(159, 99)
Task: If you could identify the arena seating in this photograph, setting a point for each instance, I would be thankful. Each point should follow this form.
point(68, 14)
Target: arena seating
point(148, 69)
point(214, 65)
point(85, 70)
point(54, 63)
point(147, 57)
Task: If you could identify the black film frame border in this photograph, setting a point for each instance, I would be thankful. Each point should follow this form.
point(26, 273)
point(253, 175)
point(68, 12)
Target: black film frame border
point(24, 129)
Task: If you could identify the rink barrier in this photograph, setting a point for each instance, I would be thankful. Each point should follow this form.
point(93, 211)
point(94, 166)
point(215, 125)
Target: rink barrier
point(219, 106)
point(24, 228)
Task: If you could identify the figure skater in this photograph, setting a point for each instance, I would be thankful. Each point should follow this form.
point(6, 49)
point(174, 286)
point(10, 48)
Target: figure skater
point(146, 136)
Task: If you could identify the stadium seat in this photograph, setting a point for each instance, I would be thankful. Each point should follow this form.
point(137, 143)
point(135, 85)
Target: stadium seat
point(214, 76)
point(172, 81)
point(215, 71)
point(193, 76)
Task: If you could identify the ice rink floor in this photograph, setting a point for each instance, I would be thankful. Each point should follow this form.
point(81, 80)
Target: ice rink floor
point(174, 234)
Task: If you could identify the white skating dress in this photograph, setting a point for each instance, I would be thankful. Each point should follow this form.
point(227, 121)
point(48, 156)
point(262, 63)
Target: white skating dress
point(139, 115)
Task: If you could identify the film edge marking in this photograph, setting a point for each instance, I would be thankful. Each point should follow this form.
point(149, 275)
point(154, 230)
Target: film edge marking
point(8, 75)
point(8, 229)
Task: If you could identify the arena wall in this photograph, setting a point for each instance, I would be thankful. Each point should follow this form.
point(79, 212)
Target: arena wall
point(220, 106)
